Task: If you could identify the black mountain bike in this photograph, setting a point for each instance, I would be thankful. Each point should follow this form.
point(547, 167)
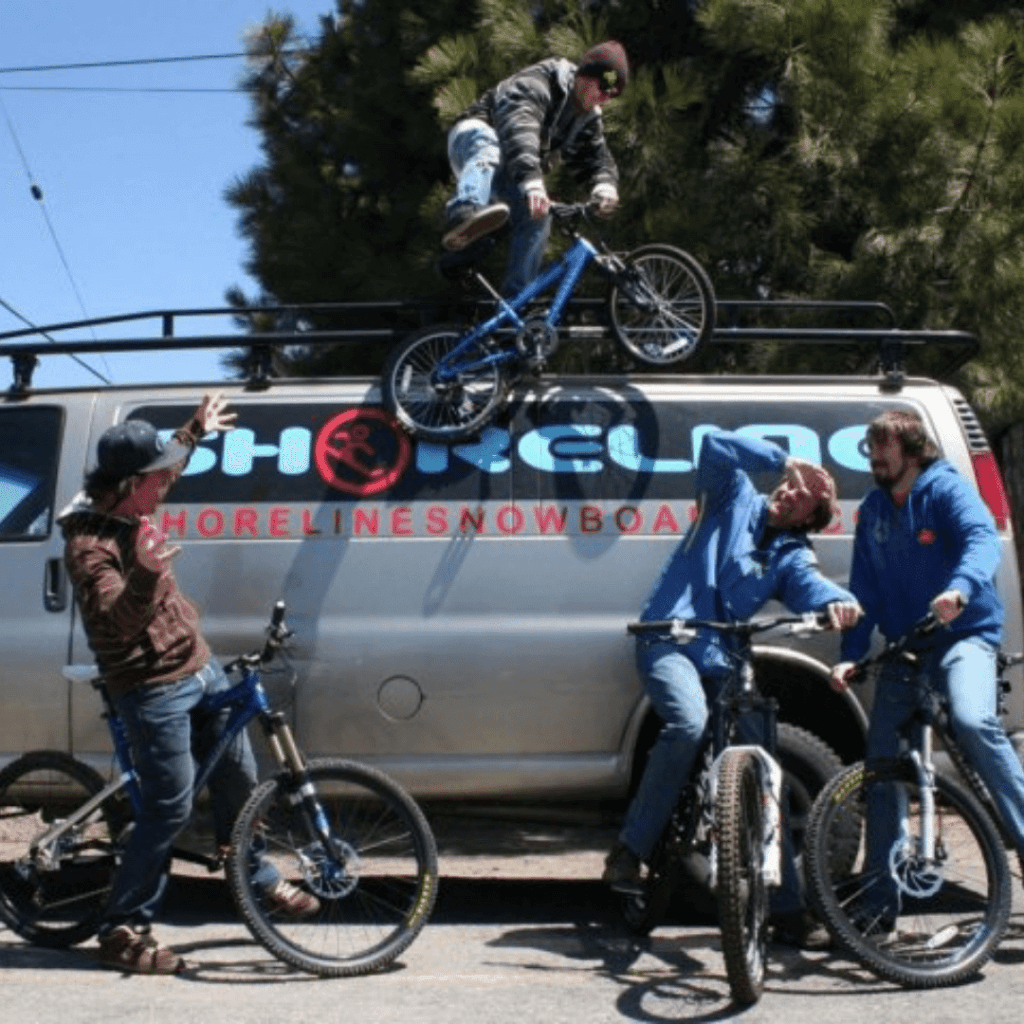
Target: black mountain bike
point(444, 383)
point(926, 904)
point(729, 816)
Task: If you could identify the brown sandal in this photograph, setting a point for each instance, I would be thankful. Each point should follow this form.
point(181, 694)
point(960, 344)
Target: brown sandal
point(128, 950)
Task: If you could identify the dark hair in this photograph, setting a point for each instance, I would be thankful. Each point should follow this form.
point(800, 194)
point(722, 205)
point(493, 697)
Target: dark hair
point(99, 485)
point(819, 519)
point(907, 427)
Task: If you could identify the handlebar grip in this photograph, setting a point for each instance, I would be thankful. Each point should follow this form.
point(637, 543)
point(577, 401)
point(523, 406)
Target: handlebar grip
point(662, 626)
point(277, 615)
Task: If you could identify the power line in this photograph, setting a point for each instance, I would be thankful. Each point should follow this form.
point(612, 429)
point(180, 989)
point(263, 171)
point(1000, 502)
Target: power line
point(37, 194)
point(113, 88)
point(28, 323)
point(137, 61)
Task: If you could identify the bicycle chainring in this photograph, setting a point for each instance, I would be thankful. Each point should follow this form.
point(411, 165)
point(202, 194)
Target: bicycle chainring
point(537, 342)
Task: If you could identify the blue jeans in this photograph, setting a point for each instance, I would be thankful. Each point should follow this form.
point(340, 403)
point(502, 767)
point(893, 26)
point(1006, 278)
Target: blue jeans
point(169, 733)
point(963, 671)
point(475, 156)
point(678, 696)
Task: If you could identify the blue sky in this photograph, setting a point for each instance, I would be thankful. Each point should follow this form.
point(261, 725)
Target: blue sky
point(132, 176)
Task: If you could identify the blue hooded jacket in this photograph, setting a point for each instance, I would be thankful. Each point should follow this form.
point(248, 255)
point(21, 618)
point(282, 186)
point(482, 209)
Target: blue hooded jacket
point(943, 538)
point(718, 570)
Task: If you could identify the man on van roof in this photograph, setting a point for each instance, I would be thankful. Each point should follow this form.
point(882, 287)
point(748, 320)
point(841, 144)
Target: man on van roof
point(925, 541)
point(501, 146)
point(157, 667)
point(743, 550)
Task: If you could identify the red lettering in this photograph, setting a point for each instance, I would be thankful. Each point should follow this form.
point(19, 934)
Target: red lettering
point(437, 520)
point(551, 518)
point(210, 522)
point(510, 519)
point(279, 526)
point(635, 519)
point(178, 523)
point(467, 517)
point(370, 523)
point(590, 519)
point(246, 521)
point(307, 523)
point(401, 521)
point(665, 520)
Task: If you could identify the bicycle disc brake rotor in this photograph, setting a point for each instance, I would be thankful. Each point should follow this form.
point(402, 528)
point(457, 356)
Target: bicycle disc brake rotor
point(537, 341)
point(914, 874)
point(331, 876)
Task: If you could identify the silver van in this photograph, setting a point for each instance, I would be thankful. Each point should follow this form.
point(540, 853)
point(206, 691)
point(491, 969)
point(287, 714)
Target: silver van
point(459, 611)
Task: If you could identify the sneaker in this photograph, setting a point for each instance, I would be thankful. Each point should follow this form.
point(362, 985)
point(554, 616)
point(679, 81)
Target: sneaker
point(800, 930)
point(290, 901)
point(622, 870)
point(467, 223)
point(126, 949)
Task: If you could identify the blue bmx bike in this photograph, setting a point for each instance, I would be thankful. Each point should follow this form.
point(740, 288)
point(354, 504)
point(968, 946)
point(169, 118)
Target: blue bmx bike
point(445, 382)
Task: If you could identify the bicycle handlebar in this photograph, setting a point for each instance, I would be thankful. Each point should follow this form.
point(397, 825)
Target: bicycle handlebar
point(811, 622)
point(277, 634)
point(900, 647)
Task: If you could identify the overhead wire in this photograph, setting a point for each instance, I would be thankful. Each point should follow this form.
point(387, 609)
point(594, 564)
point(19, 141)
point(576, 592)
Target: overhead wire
point(37, 194)
point(34, 187)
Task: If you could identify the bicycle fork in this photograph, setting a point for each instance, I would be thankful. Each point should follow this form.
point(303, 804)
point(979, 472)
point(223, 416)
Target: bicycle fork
point(915, 862)
point(335, 863)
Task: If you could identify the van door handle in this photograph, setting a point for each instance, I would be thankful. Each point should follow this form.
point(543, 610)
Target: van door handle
point(55, 586)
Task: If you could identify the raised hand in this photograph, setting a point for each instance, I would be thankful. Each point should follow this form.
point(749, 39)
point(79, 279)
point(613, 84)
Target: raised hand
point(151, 548)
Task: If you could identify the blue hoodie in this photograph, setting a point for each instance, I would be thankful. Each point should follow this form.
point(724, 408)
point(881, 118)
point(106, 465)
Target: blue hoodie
point(943, 538)
point(718, 571)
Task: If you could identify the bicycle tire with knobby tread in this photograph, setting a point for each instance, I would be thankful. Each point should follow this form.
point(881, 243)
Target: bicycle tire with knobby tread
point(61, 907)
point(742, 893)
point(444, 414)
point(371, 909)
point(661, 307)
point(977, 879)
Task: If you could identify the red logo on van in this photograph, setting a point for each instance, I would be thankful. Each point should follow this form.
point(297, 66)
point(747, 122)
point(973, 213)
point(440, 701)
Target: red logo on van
point(362, 451)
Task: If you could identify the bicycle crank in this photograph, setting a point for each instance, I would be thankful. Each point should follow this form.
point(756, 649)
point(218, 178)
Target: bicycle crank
point(537, 342)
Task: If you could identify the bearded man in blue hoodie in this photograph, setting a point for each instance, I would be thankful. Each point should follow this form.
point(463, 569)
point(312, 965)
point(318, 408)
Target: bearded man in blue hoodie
point(743, 550)
point(926, 542)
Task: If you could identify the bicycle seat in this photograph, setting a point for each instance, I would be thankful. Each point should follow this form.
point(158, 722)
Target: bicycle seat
point(455, 265)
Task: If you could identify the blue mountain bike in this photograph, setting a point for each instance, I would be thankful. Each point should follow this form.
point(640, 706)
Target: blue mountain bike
point(340, 830)
point(445, 382)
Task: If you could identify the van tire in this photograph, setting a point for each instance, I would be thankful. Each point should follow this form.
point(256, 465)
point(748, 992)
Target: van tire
point(808, 763)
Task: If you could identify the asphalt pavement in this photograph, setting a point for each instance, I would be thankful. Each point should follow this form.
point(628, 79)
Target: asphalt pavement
point(521, 933)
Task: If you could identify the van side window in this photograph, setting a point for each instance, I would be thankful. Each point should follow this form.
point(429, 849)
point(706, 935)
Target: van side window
point(29, 451)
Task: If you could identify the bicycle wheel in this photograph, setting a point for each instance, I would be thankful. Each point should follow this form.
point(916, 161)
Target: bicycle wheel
point(662, 306)
point(441, 410)
point(742, 893)
point(376, 877)
point(59, 901)
point(920, 924)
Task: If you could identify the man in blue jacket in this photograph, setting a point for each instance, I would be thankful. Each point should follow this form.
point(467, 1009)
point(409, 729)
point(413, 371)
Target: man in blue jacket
point(925, 541)
point(743, 550)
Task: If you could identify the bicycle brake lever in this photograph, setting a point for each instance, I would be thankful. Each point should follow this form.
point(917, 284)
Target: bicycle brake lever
point(682, 634)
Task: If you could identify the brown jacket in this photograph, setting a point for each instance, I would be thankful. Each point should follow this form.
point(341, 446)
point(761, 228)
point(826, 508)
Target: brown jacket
point(140, 626)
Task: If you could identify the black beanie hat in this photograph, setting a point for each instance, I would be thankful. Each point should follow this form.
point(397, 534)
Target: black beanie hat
point(606, 62)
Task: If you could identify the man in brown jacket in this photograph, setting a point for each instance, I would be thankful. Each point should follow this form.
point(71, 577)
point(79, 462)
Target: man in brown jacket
point(157, 666)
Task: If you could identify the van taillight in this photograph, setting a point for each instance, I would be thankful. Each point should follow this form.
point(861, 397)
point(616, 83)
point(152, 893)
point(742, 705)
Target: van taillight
point(990, 486)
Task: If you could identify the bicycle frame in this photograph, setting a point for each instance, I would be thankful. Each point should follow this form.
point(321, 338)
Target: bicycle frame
point(567, 270)
point(248, 700)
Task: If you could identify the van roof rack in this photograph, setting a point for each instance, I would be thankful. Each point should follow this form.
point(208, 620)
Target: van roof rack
point(870, 326)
